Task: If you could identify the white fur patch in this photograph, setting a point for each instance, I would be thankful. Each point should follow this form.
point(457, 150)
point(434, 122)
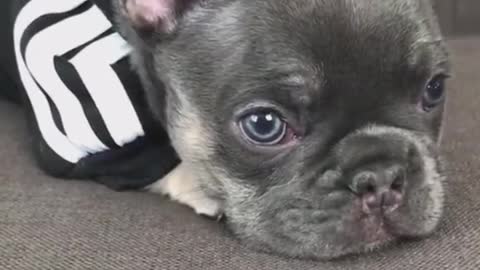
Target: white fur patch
point(189, 134)
point(182, 186)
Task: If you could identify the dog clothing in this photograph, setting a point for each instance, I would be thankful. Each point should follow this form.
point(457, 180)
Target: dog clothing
point(66, 63)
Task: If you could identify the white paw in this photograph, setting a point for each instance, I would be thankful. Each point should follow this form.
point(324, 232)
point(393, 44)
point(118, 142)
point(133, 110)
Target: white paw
point(206, 207)
point(182, 186)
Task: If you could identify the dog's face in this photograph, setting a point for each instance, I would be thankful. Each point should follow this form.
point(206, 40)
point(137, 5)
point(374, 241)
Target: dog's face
point(315, 122)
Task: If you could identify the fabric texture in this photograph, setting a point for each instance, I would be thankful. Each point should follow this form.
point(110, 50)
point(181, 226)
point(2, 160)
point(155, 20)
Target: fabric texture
point(47, 223)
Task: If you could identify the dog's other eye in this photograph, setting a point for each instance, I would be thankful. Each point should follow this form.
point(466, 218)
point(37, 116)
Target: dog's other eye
point(434, 93)
point(265, 128)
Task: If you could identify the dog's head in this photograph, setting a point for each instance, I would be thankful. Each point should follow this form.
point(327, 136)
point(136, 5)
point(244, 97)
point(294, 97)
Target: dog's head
point(316, 122)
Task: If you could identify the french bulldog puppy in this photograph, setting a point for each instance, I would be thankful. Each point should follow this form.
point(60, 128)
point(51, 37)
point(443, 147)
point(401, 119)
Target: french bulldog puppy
point(312, 125)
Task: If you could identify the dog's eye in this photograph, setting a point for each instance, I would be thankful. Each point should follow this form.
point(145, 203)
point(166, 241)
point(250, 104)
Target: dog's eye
point(434, 93)
point(263, 128)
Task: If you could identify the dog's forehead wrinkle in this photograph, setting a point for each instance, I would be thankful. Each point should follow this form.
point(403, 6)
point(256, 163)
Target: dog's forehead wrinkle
point(369, 25)
point(225, 23)
point(306, 78)
point(295, 80)
point(356, 13)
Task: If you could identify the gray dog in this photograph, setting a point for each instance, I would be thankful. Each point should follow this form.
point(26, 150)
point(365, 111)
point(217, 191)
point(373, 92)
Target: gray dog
point(312, 125)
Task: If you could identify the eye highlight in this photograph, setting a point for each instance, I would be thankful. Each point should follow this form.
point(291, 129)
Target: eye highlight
point(433, 93)
point(264, 127)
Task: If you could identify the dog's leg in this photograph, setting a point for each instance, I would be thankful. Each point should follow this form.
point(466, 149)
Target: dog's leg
point(182, 185)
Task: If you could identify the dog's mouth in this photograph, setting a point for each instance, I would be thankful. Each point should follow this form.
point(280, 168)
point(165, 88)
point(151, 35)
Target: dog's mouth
point(376, 232)
point(344, 231)
point(375, 229)
point(379, 229)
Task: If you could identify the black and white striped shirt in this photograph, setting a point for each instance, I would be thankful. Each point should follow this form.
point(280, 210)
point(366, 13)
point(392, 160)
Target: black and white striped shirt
point(86, 102)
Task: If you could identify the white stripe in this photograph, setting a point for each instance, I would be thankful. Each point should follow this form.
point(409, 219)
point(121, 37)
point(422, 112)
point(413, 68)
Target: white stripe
point(40, 54)
point(106, 89)
point(41, 109)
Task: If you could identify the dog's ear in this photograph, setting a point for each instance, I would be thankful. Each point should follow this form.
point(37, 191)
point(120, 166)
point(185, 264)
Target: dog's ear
point(155, 16)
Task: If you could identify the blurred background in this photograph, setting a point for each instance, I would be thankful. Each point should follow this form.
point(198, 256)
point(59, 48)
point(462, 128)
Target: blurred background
point(459, 17)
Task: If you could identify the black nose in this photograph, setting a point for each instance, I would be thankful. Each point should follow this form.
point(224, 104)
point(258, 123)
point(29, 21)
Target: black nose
point(380, 187)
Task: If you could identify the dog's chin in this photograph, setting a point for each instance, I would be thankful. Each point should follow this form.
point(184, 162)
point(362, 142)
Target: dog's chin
point(311, 234)
point(371, 236)
point(331, 225)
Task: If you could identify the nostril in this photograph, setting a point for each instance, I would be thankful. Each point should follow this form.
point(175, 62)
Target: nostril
point(364, 182)
point(398, 182)
point(370, 188)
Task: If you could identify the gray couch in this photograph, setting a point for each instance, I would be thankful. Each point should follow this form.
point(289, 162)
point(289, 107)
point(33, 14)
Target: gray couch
point(48, 223)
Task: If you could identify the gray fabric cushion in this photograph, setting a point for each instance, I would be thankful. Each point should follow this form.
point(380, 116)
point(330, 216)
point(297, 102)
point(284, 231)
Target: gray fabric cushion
point(48, 223)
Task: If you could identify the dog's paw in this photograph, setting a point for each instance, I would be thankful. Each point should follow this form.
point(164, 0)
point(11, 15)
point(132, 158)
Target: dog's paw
point(182, 186)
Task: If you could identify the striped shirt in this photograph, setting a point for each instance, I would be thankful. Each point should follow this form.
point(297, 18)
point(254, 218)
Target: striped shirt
point(86, 102)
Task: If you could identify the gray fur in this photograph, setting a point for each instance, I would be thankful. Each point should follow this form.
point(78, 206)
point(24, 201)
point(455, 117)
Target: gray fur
point(338, 67)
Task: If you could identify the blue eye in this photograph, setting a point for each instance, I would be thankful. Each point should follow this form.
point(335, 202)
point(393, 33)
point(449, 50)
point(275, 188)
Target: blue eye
point(263, 128)
point(434, 93)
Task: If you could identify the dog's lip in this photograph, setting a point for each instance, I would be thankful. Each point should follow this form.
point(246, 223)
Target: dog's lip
point(375, 230)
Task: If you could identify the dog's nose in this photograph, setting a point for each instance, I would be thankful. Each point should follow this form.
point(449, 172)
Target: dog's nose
point(375, 169)
point(380, 187)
